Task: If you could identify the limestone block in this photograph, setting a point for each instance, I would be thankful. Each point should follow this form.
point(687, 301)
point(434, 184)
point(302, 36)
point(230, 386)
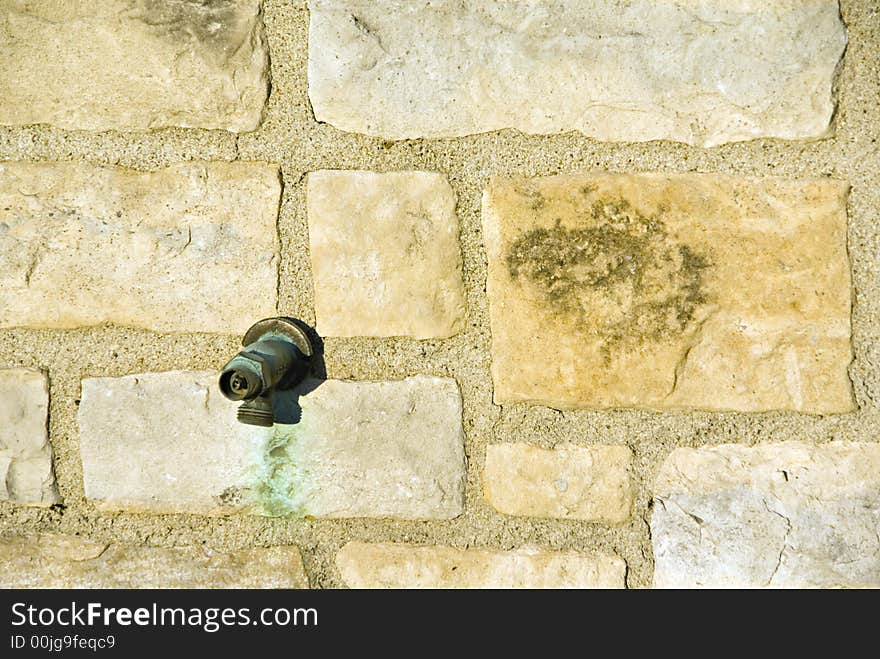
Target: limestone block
point(365, 565)
point(133, 64)
point(566, 482)
point(26, 474)
point(699, 72)
point(190, 248)
point(788, 515)
point(170, 443)
point(669, 291)
point(60, 561)
point(385, 254)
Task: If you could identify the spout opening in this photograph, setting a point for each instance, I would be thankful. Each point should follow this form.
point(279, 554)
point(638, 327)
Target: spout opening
point(240, 384)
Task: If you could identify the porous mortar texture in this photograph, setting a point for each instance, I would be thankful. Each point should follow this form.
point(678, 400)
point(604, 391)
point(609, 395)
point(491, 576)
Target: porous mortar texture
point(291, 137)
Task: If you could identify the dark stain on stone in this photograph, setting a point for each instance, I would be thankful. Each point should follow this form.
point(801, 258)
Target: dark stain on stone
point(621, 277)
point(536, 199)
point(218, 25)
point(231, 496)
point(589, 188)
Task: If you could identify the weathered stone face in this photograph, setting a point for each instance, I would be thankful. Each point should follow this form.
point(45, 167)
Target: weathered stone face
point(26, 474)
point(669, 291)
point(60, 561)
point(695, 72)
point(133, 64)
point(385, 254)
point(780, 515)
point(566, 482)
point(407, 566)
point(192, 248)
point(166, 443)
point(370, 449)
point(170, 443)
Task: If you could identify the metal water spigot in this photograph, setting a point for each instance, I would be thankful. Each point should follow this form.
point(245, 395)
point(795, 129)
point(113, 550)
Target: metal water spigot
point(277, 355)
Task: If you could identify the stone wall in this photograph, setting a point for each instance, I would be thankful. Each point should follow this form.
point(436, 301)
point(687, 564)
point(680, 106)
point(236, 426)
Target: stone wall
point(598, 292)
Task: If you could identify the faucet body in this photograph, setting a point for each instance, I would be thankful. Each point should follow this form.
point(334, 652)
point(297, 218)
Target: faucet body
point(276, 356)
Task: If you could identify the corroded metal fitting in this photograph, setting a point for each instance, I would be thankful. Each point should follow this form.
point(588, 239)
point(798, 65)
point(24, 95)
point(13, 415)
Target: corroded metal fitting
point(277, 355)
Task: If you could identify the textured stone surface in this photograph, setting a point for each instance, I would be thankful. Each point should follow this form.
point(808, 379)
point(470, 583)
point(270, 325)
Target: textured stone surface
point(192, 248)
point(692, 71)
point(26, 474)
point(407, 566)
point(132, 64)
point(568, 482)
point(59, 561)
point(372, 449)
point(293, 138)
point(385, 254)
point(166, 442)
point(779, 515)
point(669, 291)
point(169, 442)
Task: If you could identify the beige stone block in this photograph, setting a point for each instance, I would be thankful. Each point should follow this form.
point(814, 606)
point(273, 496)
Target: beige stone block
point(786, 515)
point(190, 248)
point(566, 482)
point(385, 254)
point(699, 72)
point(170, 443)
point(669, 291)
point(133, 64)
point(365, 565)
point(167, 443)
point(61, 561)
point(26, 474)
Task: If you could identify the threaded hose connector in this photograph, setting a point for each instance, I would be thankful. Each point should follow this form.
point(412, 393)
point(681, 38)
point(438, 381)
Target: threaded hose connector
point(257, 412)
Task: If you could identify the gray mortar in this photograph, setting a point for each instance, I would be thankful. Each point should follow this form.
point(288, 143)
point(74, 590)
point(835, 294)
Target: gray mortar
point(291, 137)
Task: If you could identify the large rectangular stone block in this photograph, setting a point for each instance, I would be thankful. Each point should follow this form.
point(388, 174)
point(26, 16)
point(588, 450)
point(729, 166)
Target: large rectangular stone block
point(62, 561)
point(133, 64)
point(190, 248)
point(699, 72)
point(789, 515)
point(669, 291)
point(170, 443)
